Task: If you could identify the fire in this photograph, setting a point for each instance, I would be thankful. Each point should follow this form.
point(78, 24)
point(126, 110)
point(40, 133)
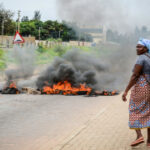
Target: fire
point(11, 89)
point(66, 88)
point(108, 93)
point(114, 92)
point(12, 85)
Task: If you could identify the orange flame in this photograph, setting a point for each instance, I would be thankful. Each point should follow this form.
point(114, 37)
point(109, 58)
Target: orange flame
point(12, 85)
point(66, 88)
point(114, 92)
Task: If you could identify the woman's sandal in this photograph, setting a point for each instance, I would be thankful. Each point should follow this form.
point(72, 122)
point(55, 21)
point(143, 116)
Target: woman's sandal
point(138, 141)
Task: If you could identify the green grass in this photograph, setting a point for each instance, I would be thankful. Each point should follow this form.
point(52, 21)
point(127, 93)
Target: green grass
point(2, 60)
point(44, 58)
point(46, 55)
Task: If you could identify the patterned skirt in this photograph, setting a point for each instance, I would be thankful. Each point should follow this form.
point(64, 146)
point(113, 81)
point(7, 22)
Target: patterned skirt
point(139, 106)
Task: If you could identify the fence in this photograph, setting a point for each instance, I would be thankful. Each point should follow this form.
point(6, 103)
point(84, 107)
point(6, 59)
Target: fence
point(50, 44)
point(7, 41)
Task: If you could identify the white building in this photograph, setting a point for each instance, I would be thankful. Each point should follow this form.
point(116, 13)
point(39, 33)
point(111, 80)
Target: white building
point(98, 33)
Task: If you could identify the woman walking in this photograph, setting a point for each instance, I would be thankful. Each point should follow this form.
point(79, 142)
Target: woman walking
point(139, 105)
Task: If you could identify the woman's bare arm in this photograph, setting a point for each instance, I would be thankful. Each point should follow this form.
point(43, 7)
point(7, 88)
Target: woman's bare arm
point(133, 80)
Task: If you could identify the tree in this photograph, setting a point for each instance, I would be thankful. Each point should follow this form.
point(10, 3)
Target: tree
point(28, 28)
point(37, 15)
point(51, 29)
point(25, 19)
point(6, 19)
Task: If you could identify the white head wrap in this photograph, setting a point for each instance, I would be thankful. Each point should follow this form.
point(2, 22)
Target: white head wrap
point(145, 42)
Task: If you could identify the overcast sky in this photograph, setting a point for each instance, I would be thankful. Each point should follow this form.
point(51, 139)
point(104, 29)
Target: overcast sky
point(27, 7)
point(117, 14)
point(123, 15)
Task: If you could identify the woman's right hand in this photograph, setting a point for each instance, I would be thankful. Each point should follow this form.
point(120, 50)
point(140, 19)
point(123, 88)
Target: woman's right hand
point(124, 96)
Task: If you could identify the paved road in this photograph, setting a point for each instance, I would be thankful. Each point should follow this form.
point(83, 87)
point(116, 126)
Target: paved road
point(108, 130)
point(42, 122)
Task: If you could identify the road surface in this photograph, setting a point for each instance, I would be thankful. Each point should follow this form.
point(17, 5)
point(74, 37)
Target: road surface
point(42, 122)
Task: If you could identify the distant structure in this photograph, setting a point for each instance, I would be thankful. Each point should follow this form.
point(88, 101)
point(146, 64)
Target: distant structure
point(98, 33)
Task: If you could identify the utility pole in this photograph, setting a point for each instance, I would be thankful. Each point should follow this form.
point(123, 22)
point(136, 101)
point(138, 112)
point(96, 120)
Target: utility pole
point(19, 20)
point(79, 37)
point(60, 33)
point(3, 21)
point(39, 33)
point(3, 26)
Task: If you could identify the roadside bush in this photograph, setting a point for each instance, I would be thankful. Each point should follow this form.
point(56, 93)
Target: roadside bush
point(60, 50)
point(2, 60)
point(54, 40)
point(41, 49)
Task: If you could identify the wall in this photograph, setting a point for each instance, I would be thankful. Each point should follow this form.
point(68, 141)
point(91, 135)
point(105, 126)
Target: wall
point(7, 41)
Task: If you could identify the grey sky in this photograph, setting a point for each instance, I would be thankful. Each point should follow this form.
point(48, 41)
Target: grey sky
point(117, 14)
point(122, 15)
point(27, 7)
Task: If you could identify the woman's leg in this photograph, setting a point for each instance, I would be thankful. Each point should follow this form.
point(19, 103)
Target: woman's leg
point(148, 135)
point(139, 133)
point(138, 141)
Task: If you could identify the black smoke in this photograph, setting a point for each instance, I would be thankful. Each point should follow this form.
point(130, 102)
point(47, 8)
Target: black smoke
point(75, 67)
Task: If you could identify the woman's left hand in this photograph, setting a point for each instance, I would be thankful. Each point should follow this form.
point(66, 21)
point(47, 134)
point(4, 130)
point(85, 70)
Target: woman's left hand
point(124, 96)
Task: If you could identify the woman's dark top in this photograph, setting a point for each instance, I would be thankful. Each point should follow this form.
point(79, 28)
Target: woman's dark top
point(144, 61)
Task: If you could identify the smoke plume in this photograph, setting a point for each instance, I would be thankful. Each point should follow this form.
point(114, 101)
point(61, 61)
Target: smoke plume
point(75, 67)
point(119, 15)
point(123, 15)
point(79, 67)
point(25, 59)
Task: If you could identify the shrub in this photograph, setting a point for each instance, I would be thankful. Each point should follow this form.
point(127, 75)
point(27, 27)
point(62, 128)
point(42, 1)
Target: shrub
point(2, 60)
point(60, 50)
point(41, 49)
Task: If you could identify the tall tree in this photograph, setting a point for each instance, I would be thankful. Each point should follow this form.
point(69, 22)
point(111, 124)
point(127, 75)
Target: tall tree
point(25, 19)
point(6, 23)
point(37, 15)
